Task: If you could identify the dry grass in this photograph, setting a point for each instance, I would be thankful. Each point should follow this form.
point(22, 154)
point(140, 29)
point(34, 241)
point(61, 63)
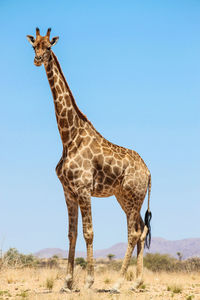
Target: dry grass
point(44, 284)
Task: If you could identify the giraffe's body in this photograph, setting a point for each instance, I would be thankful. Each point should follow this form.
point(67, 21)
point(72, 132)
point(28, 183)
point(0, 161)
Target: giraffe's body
point(92, 166)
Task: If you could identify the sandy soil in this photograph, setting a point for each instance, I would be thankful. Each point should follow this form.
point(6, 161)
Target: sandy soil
point(43, 284)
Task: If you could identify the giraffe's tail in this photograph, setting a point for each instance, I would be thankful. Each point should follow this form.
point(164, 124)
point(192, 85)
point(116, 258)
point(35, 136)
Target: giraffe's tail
point(148, 216)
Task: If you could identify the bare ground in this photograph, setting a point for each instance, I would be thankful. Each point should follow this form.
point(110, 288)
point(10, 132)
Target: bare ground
point(44, 284)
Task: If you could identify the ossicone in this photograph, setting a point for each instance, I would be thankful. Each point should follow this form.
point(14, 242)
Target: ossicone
point(37, 31)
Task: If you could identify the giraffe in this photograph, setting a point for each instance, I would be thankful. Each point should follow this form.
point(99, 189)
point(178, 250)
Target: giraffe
point(92, 166)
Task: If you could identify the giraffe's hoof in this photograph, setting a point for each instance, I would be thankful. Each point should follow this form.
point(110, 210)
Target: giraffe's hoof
point(114, 291)
point(68, 291)
point(89, 282)
point(136, 285)
point(133, 289)
point(111, 291)
point(65, 290)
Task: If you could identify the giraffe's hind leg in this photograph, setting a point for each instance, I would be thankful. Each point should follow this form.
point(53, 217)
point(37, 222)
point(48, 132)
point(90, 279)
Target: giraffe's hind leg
point(134, 234)
point(131, 201)
point(140, 252)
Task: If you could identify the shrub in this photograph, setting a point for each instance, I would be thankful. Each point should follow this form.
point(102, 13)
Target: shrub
point(15, 259)
point(192, 264)
point(49, 283)
point(164, 262)
point(190, 297)
point(23, 294)
point(81, 262)
point(174, 288)
point(5, 293)
point(11, 257)
point(48, 263)
point(142, 286)
point(159, 262)
point(52, 262)
point(107, 280)
point(110, 256)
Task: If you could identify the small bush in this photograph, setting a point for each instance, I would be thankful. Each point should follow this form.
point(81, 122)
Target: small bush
point(107, 281)
point(159, 262)
point(49, 283)
point(48, 263)
point(23, 294)
point(81, 262)
point(142, 287)
point(174, 289)
point(13, 258)
point(10, 280)
point(5, 293)
point(164, 262)
point(190, 297)
point(192, 264)
point(110, 256)
point(52, 263)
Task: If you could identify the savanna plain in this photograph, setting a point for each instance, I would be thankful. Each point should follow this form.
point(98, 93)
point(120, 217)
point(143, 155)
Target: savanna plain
point(26, 277)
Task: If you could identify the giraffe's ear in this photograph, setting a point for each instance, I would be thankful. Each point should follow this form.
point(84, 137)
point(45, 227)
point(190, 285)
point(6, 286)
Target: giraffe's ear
point(54, 40)
point(31, 39)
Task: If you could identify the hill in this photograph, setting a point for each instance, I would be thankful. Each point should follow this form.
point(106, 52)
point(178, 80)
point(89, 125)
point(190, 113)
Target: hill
point(187, 247)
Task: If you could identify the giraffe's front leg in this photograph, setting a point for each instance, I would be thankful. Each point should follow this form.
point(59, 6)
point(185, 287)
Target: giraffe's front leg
point(72, 235)
point(85, 207)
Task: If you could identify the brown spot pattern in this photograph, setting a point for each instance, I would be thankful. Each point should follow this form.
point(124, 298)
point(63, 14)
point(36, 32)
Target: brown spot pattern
point(65, 136)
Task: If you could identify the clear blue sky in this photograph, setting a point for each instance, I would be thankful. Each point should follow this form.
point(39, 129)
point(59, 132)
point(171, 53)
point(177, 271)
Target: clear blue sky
point(134, 69)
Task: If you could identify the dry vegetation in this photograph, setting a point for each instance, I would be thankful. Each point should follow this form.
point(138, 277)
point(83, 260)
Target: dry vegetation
point(29, 278)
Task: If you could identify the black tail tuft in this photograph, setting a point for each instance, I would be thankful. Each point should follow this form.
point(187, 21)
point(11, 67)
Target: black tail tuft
point(147, 220)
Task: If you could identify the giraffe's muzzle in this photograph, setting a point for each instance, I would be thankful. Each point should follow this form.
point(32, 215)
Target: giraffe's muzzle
point(38, 61)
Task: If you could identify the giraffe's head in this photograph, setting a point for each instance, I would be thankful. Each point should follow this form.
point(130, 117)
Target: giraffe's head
point(42, 46)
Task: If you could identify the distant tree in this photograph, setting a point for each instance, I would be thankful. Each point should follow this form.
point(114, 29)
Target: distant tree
point(110, 256)
point(180, 256)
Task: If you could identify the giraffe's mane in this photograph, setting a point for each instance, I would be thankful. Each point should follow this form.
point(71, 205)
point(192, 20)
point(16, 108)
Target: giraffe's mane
point(79, 112)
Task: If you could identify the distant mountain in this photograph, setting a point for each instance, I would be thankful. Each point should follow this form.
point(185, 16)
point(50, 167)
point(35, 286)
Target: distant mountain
point(187, 247)
point(49, 252)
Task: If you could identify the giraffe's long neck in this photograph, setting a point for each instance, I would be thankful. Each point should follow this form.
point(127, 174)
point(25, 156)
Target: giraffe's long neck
point(69, 118)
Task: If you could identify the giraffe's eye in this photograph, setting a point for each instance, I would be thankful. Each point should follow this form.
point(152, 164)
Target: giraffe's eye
point(48, 48)
point(33, 47)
